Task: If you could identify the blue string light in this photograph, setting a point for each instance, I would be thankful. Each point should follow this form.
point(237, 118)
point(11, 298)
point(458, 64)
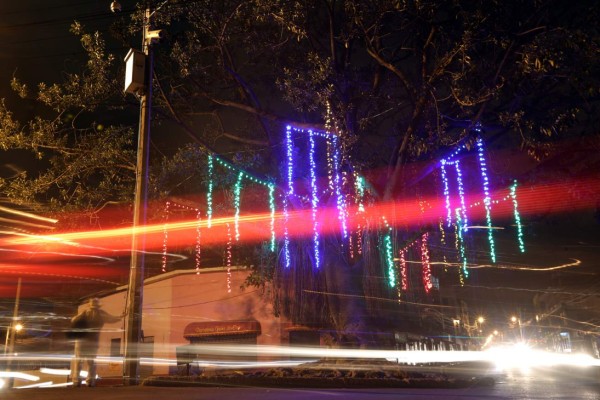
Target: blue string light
point(513, 195)
point(446, 192)
point(341, 206)
point(237, 192)
point(314, 197)
point(290, 192)
point(461, 194)
point(209, 192)
point(487, 201)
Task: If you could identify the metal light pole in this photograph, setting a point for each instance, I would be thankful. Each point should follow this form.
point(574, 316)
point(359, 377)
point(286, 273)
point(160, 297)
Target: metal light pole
point(9, 346)
point(133, 322)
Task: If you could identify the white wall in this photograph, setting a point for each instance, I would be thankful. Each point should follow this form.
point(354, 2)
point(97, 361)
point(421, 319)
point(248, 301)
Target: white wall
point(185, 297)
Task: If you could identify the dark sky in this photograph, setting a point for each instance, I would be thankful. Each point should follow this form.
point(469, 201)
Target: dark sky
point(35, 40)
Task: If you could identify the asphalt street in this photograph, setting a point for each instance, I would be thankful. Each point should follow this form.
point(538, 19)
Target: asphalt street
point(510, 387)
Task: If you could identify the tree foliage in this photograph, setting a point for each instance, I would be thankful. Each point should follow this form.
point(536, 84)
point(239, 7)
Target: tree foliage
point(403, 79)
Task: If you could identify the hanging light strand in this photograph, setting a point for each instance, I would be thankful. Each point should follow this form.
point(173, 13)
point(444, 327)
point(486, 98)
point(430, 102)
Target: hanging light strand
point(461, 239)
point(228, 256)
point(165, 237)
point(209, 191)
point(237, 193)
point(403, 270)
point(341, 204)
point(272, 210)
point(198, 237)
point(461, 194)
point(389, 253)
point(314, 199)
point(513, 195)
point(487, 201)
point(446, 192)
point(426, 266)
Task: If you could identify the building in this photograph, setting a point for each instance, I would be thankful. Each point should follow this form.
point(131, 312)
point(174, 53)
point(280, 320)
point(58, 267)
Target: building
point(182, 307)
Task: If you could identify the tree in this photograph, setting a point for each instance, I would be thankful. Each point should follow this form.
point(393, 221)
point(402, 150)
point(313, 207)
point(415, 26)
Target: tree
point(403, 80)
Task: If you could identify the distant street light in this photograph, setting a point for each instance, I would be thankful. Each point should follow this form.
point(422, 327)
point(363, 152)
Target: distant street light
point(18, 327)
point(514, 319)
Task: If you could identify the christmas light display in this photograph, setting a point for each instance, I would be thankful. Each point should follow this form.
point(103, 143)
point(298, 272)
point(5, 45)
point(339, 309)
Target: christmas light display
point(228, 258)
point(165, 237)
point(341, 206)
point(463, 256)
point(443, 242)
point(237, 191)
point(241, 175)
point(330, 167)
point(197, 258)
point(446, 192)
point(426, 266)
point(336, 181)
point(487, 199)
point(209, 192)
point(403, 270)
point(168, 206)
point(513, 196)
point(314, 198)
point(461, 193)
point(389, 253)
point(272, 210)
point(289, 193)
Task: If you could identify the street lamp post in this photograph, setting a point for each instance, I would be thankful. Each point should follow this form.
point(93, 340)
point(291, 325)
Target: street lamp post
point(133, 322)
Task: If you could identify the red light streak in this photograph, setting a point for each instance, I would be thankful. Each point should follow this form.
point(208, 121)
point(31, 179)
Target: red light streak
point(533, 199)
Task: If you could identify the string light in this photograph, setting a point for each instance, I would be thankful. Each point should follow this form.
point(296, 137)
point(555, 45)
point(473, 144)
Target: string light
point(209, 192)
point(237, 191)
point(228, 258)
point(165, 237)
point(314, 199)
point(487, 199)
point(330, 165)
point(403, 270)
point(425, 263)
point(359, 190)
point(290, 192)
point(465, 271)
point(237, 194)
point(199, 218)
point(359, 232)
point(168, 206)
point(389, 253)
point(290, 160)
point(513, 195)
point(272, 209)
point(443, 242)
point(338, 190)
point(446, 192)
point(461, 193)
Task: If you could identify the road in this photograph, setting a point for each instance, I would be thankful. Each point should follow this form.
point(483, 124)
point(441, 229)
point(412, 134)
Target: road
point(511, 387)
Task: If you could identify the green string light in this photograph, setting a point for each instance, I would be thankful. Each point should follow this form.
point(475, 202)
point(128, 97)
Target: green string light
point(513, 195)
point(272, 209)
point(389, 254)
point(461, 239)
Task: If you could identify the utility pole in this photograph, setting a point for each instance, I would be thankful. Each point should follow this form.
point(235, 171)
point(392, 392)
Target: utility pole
point(134, 306)
point(9, 346)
